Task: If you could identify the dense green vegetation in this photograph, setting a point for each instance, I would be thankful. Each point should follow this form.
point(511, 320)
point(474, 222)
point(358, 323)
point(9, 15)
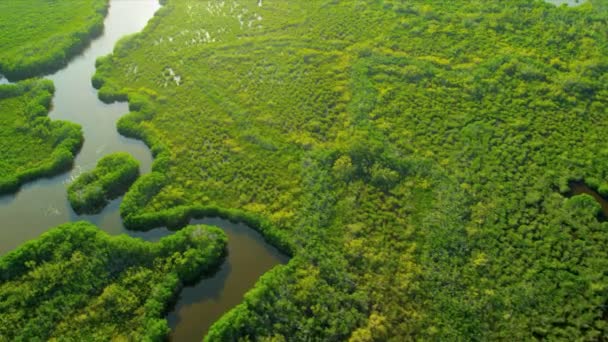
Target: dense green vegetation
point(39, 36)
point(31, 145)
point(111, 178)
point(76, 283)
point(411, 156)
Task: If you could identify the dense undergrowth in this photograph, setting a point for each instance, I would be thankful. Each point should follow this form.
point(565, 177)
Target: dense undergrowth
point(111, 178)
point(76, 283)
point(39, 36)
point(411, 156)
point(31, 145)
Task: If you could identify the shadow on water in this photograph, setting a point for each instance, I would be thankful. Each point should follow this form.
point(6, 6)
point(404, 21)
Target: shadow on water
point(204, 303)
point(42, 204)
point(200, 305)
point(578, 188)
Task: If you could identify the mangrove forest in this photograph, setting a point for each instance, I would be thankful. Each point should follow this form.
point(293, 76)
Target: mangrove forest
point(431, 170)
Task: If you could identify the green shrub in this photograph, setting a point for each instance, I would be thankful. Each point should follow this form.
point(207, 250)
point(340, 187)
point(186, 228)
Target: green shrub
point(33, 146)
point(77, 283)
point(111, 178)
point(603, 190)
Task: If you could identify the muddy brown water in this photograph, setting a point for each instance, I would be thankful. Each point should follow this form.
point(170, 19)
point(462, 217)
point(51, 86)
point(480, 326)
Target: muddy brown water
point(42, 204)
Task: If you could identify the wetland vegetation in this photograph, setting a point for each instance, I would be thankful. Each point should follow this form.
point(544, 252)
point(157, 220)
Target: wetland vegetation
point(412, 157)
point(77, 283)
point(415, 159)
point(32, 145)
point(111, 178)
point(39, 36)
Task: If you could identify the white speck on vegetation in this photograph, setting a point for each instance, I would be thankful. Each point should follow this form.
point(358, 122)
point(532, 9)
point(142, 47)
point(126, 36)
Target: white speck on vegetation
point(170, 75)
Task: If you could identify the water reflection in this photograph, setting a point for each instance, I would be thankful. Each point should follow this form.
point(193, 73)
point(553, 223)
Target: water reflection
point(201, 305)
point(42, 204)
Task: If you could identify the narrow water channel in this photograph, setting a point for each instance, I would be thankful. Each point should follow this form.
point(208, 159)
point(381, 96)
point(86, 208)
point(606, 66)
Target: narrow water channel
point(249, 256)
point(42, 204)
point(578, 188)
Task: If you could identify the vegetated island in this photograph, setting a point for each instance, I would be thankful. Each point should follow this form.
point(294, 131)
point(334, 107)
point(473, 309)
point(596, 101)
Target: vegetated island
point(111, 178)
point(77, 283)
point(40, 36)
point(31, 145)
point(412, 156)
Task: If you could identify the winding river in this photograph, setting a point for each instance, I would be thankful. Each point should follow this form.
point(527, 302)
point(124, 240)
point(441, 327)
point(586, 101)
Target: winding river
point(42, 204)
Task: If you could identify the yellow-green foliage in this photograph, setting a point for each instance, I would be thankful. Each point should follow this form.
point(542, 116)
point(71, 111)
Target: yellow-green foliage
point(76, 283)
point(31, 145)
point(409, 154)
point(111, 178)
point(39, 36)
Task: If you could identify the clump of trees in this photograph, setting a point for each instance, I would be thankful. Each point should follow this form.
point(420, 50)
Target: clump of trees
point(111, 178)
point(31, 145)
point(75, 282)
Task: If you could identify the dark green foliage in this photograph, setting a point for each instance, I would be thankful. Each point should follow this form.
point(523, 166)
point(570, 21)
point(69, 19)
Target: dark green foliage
point(410, 155)
point(31, 145)
point(39, 36)
point(111, 178)
point(583, 205)
point(77, 283)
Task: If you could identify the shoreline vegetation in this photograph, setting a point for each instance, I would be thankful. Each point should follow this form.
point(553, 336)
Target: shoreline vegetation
point(76, 282)
point(414, 159)
point(30, 49)
point(110, 179)
point(31, 145)
point(406, 155)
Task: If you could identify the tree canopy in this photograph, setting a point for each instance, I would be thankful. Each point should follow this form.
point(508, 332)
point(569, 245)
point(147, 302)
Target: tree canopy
point(77, 283)
point(111, 178)
point(32, 145)
point(412, 156)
